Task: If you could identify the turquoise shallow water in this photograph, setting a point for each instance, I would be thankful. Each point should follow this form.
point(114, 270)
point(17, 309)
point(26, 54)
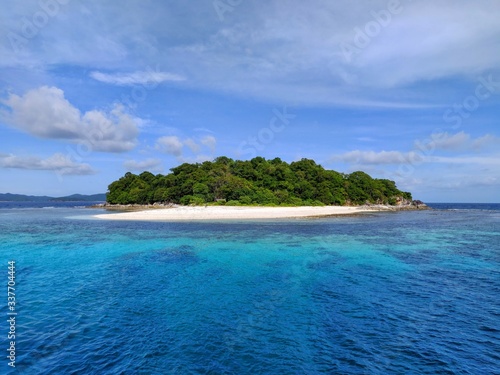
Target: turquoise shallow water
point(389, 293)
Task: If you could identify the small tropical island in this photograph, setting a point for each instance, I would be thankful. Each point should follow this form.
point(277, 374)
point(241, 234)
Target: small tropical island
point(256, 188)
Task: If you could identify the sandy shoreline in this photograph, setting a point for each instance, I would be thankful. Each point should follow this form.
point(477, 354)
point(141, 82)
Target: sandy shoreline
point(189, 213)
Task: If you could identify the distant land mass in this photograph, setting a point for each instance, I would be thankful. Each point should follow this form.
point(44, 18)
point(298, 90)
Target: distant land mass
point(258, 181)
point(70, 198)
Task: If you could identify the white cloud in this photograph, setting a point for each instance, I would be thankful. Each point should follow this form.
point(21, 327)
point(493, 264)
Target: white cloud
point(46, 113)
point(445, 141)
point(457, 180)
point(148, 77)
point(171, 145)
point(291, 51)
point(210, 142)
point(458, 142)
point(425, 152)
point(485, 141)
point(193, 146)
point(372, 157)
point(58, 163)
point(144, 165)
point(367, 158)
point(203, 130)
point(283, 51)
point(493, 160)
point(200, 158)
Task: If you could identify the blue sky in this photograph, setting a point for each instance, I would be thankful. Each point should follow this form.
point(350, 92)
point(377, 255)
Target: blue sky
point(406, 90)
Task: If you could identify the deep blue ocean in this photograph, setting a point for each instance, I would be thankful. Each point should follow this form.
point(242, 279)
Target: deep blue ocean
point(384, 293)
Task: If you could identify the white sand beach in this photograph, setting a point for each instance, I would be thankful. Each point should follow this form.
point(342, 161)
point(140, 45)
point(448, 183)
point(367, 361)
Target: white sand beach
point(185, 213)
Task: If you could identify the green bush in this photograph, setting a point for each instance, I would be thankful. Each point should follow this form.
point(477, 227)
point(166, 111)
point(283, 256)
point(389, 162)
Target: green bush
point(197, 201)
point(257, 181)
point(294, 201)
point(185, 200)
point(246, 200)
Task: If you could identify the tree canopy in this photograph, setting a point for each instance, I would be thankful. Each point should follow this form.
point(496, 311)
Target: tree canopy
point(257, 181)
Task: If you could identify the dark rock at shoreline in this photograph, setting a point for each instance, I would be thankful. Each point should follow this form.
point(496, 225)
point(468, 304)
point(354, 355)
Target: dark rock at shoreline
point(420, 205)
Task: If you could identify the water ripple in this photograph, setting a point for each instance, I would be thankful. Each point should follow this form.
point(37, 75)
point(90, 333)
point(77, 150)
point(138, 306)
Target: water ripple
point(412, 293)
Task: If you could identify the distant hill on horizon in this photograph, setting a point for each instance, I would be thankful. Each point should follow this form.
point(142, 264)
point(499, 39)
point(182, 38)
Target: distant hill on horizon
point(8, 197)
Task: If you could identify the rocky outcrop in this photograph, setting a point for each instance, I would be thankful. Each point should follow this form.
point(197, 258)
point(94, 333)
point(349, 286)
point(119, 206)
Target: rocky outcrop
point(401, 205)
point(405, 204)
point(420, 205)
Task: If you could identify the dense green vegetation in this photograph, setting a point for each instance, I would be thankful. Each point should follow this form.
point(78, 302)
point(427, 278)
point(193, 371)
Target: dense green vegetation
point(257, 181)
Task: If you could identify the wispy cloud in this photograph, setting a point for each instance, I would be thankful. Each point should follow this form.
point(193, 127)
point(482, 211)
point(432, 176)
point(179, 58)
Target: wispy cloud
point(210, 142)
point(58, 163)
point(151, 165)
point(192, 145)
point(136, 78)
point(422, 63)
point(173, 145)
point(491, 160)
point(372, 157)
point(286, 51)
point(460, 142)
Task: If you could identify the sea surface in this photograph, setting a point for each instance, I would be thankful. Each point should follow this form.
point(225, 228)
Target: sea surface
point(384, 293)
